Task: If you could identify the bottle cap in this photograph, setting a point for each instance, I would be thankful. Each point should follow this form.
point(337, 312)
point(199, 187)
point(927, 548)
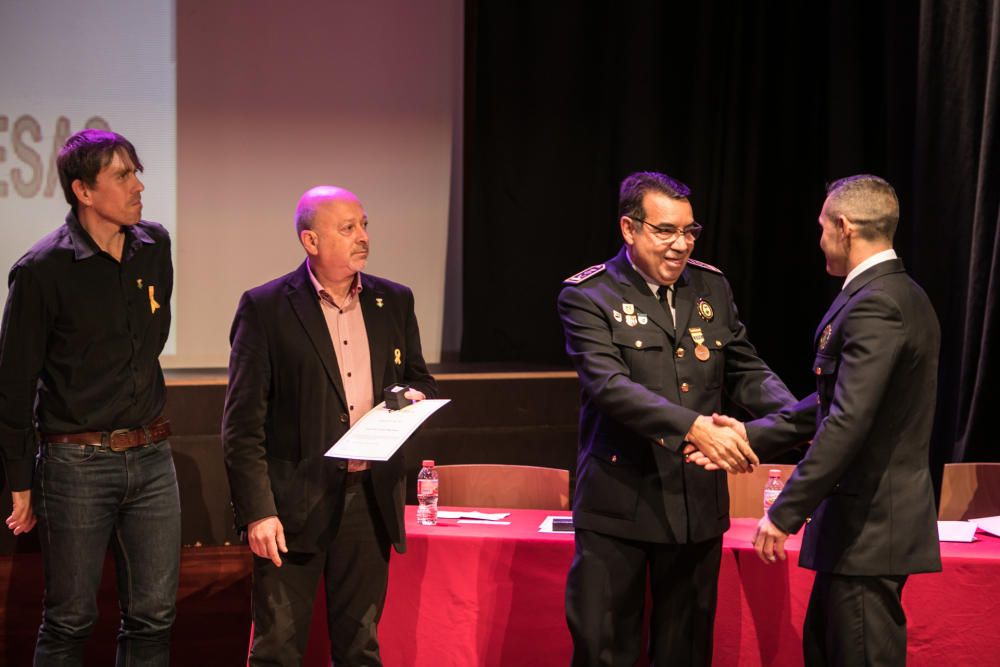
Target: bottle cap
point(428, 463)
point(773, 472)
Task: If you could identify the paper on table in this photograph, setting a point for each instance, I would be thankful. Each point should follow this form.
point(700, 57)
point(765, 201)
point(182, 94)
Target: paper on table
point(377, 435)
point(470, 514)
point(988, 524)
point(485, 521)
point(956, 531)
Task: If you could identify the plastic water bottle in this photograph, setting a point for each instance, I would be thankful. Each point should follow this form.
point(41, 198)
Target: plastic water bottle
point(427, 494)
point(773, 488)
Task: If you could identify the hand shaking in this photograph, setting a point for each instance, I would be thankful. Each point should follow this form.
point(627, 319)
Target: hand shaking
point(720, 443)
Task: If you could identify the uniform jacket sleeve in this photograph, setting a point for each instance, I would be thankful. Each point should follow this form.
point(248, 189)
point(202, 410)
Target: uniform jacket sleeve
point(750, 383)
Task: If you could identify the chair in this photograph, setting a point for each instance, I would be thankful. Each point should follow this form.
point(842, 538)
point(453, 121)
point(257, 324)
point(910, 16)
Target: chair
point(746, 490)
point(969, 491)
point(510, 486)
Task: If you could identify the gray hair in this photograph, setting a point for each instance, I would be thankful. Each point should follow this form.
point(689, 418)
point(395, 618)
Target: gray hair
point(867, 201)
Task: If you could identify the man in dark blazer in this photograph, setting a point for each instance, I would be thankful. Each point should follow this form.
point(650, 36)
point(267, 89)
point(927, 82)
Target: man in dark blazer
point(865, 480)
point(652, 370)
point(311, 353)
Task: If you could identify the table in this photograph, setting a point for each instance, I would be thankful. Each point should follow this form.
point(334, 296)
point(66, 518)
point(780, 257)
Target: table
point(493, 595)
point(472, 594)
point(951, 615)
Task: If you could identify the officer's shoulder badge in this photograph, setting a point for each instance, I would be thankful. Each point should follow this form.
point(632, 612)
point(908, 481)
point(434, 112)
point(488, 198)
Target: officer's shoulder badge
point(589, 272)
point(703, 265)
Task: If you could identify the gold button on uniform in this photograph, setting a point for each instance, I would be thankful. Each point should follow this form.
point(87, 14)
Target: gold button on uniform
point(680, 353)
point(685, 387)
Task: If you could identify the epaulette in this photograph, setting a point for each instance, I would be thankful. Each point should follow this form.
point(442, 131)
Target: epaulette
point(703, 265)
point(589, 272)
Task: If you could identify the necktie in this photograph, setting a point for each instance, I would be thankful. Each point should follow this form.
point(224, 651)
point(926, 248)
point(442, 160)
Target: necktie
point(666, 296)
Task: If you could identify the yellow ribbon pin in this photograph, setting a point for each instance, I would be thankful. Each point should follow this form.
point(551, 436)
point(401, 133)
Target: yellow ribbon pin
point(153, 306)
point(398, 356)
point(378, 301)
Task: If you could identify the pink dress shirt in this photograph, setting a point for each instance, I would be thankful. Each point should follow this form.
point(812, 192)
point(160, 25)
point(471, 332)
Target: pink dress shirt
point(346, 325)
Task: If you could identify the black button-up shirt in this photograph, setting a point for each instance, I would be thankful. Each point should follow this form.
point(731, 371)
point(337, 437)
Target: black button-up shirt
point(82, 334)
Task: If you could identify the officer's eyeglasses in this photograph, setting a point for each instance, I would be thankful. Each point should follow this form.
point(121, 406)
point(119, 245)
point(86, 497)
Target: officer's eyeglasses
point(669, 233)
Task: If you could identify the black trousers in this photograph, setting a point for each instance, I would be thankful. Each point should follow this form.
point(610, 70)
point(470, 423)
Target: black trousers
point(606, 592)
point(855, 621)
point(355, 568)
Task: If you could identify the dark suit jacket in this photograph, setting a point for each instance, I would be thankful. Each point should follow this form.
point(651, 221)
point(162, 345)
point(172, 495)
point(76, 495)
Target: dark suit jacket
point(285, 405)
point(642, 389)
point(865, 479)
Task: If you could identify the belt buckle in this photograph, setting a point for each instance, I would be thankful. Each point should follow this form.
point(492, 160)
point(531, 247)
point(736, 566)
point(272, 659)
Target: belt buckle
point(111, 439)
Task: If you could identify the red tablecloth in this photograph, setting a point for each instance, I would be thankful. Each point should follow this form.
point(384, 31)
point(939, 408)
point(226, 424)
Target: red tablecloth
point(493, 595)
point(469, 594)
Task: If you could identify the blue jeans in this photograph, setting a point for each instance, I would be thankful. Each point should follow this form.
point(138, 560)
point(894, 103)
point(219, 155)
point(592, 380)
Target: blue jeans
point(86, 497)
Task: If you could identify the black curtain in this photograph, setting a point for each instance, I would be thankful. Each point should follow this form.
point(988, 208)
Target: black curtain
point(756, 106)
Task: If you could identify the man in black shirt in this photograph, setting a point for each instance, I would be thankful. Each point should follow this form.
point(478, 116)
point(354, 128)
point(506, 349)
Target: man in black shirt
point(81, 391)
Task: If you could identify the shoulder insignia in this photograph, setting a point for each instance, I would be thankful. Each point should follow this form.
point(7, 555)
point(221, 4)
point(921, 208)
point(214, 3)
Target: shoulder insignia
point(585, 274)
point(703, 265)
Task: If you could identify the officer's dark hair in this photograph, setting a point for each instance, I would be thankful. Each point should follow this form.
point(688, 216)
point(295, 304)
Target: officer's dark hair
point(635, 186)
point(867, 201)
point(87, 152)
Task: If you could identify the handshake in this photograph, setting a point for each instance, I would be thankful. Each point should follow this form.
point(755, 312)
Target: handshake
point(719, 443)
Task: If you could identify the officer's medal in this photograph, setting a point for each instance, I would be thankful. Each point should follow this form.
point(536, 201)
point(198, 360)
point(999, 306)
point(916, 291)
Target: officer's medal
point(824, 338)
point(705, 310)
point(700, 350)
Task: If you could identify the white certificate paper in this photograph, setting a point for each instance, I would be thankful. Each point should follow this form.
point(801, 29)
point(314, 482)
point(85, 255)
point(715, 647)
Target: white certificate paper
point(989, 524)
point(956, 531)
point(377, 435)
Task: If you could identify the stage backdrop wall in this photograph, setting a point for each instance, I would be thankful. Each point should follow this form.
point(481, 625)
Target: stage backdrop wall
point(273, 99)
point(237, 107)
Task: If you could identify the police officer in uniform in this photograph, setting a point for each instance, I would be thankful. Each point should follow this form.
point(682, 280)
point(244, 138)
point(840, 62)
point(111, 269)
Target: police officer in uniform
point(656, 342)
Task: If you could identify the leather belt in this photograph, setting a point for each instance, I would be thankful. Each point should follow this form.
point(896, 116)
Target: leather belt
point(118, 440)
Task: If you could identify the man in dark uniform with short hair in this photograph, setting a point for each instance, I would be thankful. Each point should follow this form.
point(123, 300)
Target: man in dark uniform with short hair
point(865, 480)
point(657, 342)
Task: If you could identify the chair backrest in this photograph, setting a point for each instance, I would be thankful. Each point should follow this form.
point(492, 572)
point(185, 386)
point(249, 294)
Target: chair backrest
point(746, 491)
point(969, 491)
point(496, 485)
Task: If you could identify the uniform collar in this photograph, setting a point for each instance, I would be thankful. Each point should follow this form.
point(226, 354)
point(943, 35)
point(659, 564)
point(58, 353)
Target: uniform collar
point(626, 257)
point(877, 258)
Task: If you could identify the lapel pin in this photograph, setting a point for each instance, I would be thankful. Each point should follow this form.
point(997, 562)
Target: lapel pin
point(397, 357)
point(138, 283)
point(378, 301)
point(153, 306)
point(824, 338)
